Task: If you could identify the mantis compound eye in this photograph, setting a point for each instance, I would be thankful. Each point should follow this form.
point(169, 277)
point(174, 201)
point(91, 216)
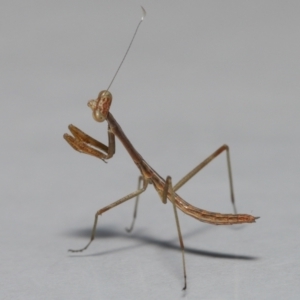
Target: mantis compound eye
point(98, 116)
point(101, 105)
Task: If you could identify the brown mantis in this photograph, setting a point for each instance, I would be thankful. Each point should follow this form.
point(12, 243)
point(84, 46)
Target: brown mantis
point(83, 143)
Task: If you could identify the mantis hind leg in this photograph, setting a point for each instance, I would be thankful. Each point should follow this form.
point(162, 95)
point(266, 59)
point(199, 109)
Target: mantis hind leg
point(169, 192)
point(199, 167)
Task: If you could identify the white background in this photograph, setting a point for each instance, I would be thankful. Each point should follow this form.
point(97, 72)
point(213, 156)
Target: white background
point(199, 74)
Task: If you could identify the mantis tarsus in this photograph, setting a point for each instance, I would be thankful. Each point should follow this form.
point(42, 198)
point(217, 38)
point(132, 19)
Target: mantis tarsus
point(83, 143)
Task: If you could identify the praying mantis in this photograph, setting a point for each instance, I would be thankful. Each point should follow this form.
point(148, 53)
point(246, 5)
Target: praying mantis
point(84, 143)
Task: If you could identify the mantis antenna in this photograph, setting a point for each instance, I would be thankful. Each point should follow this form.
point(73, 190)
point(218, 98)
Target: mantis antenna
point(136, 30)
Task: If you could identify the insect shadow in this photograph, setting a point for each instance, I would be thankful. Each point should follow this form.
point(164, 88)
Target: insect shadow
point(140, 236)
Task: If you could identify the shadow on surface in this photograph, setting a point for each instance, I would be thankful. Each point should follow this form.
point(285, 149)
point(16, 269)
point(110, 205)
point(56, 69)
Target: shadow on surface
point(138, 235)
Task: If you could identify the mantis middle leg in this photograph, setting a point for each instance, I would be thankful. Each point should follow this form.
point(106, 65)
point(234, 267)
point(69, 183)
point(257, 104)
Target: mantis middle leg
point(108, 207)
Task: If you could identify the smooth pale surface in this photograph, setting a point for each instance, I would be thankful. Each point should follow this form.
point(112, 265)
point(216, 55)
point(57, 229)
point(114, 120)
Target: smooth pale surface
point(199, 74)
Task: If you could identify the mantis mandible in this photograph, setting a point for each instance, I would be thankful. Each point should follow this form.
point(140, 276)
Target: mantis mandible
point(83, 143)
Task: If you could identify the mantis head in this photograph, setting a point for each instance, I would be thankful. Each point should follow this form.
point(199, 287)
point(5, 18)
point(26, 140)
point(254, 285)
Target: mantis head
point(101, 105)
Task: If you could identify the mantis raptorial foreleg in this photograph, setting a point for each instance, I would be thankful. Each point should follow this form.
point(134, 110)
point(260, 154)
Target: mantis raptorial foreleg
point(83, 143)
